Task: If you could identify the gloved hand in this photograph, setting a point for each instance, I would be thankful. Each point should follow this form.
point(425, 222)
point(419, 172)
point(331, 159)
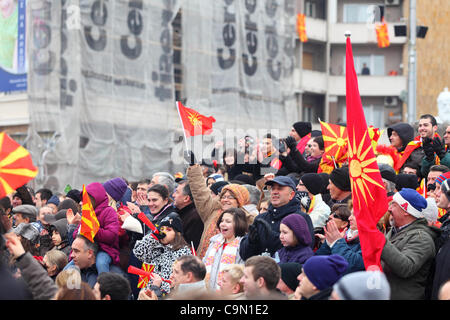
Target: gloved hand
point(428, 149)
point(290, 142)
point(438, 147)
point(189, 157)
point(253, 236)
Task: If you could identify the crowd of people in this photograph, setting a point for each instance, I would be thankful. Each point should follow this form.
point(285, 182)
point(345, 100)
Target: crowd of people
point(260, 221)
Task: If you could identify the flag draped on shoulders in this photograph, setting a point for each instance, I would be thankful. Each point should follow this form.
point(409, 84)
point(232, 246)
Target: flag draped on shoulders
point(368, 192)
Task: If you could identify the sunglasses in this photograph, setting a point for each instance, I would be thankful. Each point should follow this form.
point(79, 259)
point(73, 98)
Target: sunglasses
point(339, 217)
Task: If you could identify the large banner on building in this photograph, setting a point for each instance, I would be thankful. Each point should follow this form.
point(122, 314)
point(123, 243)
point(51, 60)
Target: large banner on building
point(239, 60)
point(13, 63)
point(101, 94)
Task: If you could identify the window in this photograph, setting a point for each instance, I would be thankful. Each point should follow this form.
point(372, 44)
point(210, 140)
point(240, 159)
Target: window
point(375, 63)
point(310, 9)
point(362, 13)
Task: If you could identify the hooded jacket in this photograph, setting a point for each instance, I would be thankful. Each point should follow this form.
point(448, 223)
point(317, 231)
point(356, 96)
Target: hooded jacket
point(107, 236)
point(270, 238)
point(61, 227)
point(404, 130)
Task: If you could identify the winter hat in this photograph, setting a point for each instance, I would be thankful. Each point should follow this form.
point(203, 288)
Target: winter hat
point(173, 221)
point(387, 172)
point(325, 181)
point(289, 274)
point(27, 210)
point(298, 225)
point(431, 211)
point(341, 178)
point(324, 271)
point(75, 195)
point(312, 182)
point(245, 178)
point(316, 133)
point(445, 188)
point(217, 187)
point(54, 199)
point(443, 177)
point(404, 180)
point(302, 128)
point(28, 231)
point(282, 181)
point(61, 214)
point(240, 193)
point(115, 188)
point(411, 201)
point(363, 285)
point(216, 177)
point(61, 226)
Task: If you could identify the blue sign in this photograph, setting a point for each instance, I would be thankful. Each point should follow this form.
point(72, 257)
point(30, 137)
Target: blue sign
point(13, 62)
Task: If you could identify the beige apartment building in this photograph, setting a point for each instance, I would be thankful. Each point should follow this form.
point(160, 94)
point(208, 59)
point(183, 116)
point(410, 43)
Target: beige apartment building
point(320, 69)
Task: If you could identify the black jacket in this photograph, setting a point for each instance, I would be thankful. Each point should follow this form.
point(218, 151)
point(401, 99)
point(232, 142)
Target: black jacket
point(442, 262)
point(192, 224)
point(270, 239)
point(322, 295)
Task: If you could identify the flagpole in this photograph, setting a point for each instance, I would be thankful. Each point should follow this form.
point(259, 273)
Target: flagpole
point(182, 126)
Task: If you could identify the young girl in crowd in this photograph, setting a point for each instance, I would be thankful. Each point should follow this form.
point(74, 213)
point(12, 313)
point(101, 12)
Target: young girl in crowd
point(296, 240)
point(223, 249)
point(162, 253)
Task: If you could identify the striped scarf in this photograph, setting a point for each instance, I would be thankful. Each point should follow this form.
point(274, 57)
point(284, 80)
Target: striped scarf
point(228, 256)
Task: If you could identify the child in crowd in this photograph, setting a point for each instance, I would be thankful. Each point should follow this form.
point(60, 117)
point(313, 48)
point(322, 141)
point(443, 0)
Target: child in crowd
point(223, 249)
point(296, 240)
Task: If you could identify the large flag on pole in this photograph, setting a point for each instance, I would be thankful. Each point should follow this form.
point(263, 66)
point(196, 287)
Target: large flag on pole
point(193, 122)
point(16, 165)
point(89, 222)
point(368, 193)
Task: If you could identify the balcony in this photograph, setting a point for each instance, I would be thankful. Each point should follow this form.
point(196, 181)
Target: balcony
point(370, 85)
point(314, 81)
point(316, 29)
point(361, 33)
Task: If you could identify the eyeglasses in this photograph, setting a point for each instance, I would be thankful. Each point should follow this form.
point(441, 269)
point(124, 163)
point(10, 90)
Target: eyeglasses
point(228, 198)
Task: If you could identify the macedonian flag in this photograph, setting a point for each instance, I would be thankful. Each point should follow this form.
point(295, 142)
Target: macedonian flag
point(301, 27)
point(368, 192)
point(382, 34)
point(89, 222)
point(193, 122)
point(335, 141)
point(16, 165)
point(143, 280)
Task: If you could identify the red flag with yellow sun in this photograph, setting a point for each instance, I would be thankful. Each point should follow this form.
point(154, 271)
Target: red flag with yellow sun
point(193, 122)
point(16, 165)
point(89, 223)
point(368, 193)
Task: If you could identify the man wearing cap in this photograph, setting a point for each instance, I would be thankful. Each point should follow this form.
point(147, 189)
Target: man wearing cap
point(409, 250)
point(264, 233)
point(442, 266)
point(318, 276)
point(318, 211)
point(25, 213)
point(339, 186)
point(388, 176)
